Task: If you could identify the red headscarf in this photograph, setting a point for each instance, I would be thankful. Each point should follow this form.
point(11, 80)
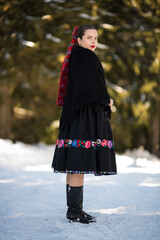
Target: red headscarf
point(64, 71)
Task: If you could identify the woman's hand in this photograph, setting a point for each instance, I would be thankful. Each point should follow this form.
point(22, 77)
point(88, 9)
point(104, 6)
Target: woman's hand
point(111, 102)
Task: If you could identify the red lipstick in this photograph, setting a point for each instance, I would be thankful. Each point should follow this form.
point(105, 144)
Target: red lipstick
point(93, 46)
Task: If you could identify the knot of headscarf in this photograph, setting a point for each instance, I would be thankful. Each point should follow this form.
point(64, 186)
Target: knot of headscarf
point(64, 70)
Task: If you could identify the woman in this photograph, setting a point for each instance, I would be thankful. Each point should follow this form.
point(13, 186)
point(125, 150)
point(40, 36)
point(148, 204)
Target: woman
point(85, 144)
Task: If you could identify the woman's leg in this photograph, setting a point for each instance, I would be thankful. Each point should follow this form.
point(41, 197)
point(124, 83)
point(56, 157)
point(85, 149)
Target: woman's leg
point(74, 193)
point(75, 180)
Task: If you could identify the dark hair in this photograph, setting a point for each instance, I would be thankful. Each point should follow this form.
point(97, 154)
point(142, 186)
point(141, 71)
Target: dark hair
point(81, 30)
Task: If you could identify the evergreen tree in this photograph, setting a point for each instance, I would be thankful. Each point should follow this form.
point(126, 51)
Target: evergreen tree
point(33, 41)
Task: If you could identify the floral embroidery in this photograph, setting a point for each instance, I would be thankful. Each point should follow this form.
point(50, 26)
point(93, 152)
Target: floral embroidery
point(109, 144)
point(84, 143)
point(74, 143)
point(98, 173)
point(87, 144)
point(104, 142)
point(70, 141)
point(61, 143)
point(78, 143)
point(93, 144)
point(98, 141)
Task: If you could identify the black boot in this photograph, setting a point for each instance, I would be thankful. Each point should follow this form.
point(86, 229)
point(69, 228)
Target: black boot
point(74, 203)
point(67, 187)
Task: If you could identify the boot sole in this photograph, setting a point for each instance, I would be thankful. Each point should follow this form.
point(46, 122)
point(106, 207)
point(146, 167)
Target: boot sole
point(81, 221)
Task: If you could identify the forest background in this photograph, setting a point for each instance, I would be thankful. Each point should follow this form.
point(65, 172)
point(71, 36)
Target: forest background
point(34, 37)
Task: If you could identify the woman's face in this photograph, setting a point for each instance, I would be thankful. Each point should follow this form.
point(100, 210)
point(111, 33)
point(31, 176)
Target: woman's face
point(89, 39)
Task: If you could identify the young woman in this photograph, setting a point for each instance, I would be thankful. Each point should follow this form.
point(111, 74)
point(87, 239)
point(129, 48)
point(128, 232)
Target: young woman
point(85, 144)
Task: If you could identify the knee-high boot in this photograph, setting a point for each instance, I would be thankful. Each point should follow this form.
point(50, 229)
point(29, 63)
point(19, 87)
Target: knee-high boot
point(75, 205)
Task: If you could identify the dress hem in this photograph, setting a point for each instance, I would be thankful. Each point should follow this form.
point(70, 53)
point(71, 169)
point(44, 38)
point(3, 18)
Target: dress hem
point(86, 172)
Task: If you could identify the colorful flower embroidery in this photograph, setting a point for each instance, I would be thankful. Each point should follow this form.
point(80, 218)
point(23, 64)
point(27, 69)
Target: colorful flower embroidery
point(104, 142)
point(87, 144)
point(78, 143)
point(66, 143)
point(93, 144)
point(109, 144)
point(98, 141)
point(74, 143)
point(61, 143)
point(84, 143)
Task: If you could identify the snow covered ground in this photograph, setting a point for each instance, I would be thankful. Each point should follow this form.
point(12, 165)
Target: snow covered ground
point(33, 200)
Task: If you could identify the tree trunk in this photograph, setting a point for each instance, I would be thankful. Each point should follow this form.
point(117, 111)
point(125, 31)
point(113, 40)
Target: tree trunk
point(5, 113)
point(155, 130)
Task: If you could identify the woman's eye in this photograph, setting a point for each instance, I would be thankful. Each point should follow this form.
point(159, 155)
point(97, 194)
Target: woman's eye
point(95, 38)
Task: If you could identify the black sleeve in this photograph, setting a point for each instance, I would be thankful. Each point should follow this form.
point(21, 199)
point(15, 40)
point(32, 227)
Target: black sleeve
point(107, 109)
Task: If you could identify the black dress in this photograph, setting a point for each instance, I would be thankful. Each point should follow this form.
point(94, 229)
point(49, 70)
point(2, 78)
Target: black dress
point(86, 145)
point(85, 142)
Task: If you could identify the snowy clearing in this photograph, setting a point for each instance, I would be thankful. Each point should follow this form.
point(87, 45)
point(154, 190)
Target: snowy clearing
point(33, 200)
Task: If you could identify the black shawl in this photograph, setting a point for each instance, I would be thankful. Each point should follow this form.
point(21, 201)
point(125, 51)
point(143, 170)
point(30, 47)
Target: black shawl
point(86, 84)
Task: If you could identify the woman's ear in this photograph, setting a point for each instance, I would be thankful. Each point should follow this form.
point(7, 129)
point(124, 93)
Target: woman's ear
point(79, 40)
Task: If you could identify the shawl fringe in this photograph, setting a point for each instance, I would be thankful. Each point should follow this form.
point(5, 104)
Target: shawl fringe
point(83, 102)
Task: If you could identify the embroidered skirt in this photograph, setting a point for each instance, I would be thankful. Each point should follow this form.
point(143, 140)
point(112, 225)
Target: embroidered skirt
point(86, 145)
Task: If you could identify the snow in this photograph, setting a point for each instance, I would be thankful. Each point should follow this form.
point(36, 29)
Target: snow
point(33, 200)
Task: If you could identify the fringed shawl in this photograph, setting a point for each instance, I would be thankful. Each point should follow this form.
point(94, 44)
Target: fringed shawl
point(86, 84)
